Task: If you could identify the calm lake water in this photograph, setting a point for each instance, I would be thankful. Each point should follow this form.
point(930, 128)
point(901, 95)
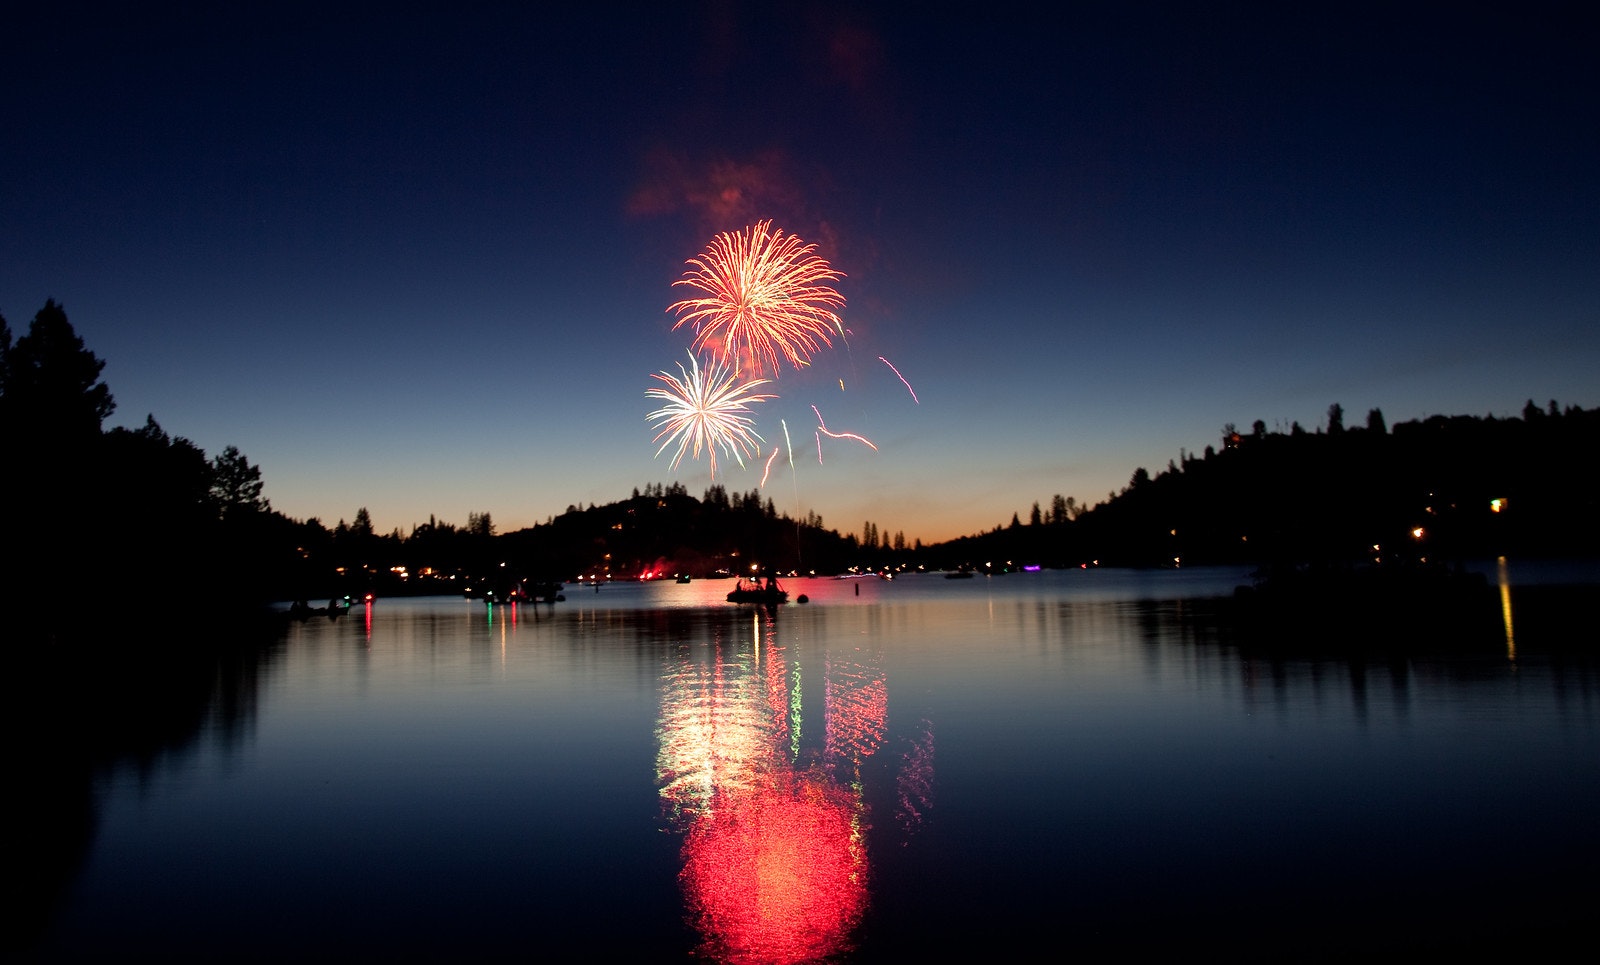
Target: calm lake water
point(1079, 764)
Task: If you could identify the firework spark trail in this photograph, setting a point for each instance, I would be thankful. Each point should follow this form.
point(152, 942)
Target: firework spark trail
point(767, 296)
point(847, 435)
point(767, 470)
point(706, 409)
point(823, 430)
point(902, 379)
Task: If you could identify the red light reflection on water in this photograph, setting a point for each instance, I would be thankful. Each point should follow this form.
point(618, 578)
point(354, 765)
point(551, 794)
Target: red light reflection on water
point(777, 873)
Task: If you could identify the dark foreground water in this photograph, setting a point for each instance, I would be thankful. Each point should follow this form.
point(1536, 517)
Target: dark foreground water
point(1088, 764)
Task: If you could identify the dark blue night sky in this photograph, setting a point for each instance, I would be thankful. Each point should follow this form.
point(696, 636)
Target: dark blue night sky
point(417, 257)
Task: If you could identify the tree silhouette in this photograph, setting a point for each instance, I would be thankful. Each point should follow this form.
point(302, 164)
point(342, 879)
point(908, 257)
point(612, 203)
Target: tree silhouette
point(5, 355)
point(236, 484)
point(51, 386)
point(52, 488)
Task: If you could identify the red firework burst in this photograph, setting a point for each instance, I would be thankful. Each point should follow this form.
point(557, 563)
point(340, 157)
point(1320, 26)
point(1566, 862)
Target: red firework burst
point(766, 296)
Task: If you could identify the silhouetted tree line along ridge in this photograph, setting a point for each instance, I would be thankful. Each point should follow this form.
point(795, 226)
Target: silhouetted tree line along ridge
point(1442, 488)
point(141, 519)
point(99, 518)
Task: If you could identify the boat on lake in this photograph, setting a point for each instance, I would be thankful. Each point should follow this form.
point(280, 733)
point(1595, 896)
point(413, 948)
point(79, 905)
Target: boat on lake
point(547, 591)
point(758, 591)
point(336, 607)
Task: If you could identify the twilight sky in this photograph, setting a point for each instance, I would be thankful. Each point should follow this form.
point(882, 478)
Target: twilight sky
point(419, 258)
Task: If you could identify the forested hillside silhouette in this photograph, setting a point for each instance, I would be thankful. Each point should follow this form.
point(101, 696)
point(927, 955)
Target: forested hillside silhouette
point(1443, 488)
point(96, 520)
point(139, 519)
